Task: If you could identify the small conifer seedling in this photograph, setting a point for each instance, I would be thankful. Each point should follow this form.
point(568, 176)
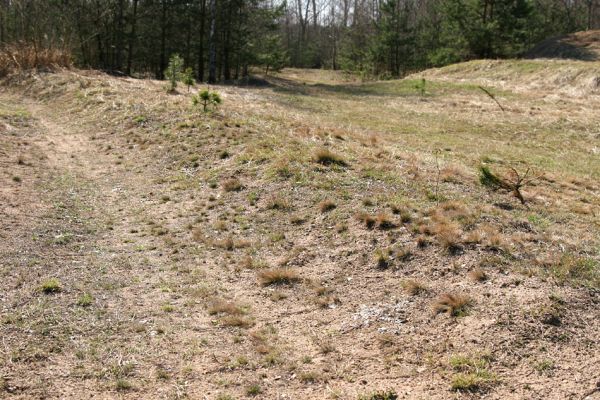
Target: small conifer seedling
point(207, 98)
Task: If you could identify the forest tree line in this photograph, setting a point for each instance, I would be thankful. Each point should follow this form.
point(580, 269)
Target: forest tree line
point(222, 39)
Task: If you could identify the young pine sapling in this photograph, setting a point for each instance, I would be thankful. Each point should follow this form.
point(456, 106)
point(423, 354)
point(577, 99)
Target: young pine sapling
point(207, 98)
point(421, 86)
point(173, 71)
point(188, 78)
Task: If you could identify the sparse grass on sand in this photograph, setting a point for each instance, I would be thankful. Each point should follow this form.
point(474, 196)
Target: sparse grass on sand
point(301, 239)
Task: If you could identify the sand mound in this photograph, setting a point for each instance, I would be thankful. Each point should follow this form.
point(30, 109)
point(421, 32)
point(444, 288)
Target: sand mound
point(576, 46)
point(565, 77)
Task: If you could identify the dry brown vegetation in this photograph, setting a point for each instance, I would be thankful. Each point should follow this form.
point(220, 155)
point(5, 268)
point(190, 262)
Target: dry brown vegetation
point(151, 251)
point(232, 185)
point(327, 205)
point(477, 275)
point(278, 276)
point(456, 305)
point(327, 157)
point(413, 287)
point(20, 58)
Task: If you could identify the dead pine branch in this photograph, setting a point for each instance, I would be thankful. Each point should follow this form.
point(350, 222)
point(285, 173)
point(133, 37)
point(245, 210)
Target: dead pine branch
point(512, 182)
point(492, 97)
point(437, 179)
point(518, 181)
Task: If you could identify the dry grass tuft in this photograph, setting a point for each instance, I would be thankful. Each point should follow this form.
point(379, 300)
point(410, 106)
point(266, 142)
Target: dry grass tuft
point(326, 157)
point(279, 276)
point(384, 221)
point(455, 305)
point(449, 236)
point(226, 243)
point(413, 287)
point(324, 296)
point(422, 241)
point(475, 236)
point(453, 174)
point(497, 241)
point(278, 203)
point(237, 321)
point(477, 275)
point(367, 219)
point(225, 307)
point(298, 219)
point(327, 205)
point(232, 185)
point(382, 258)
point(387, 340)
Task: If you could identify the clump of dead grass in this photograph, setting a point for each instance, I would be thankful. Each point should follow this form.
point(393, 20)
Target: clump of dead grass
point(449, 236)
point(455, 305)
point(327, 205)
point(384, 221)
point(231, 314)
point(413, 287)
point(382, 258)
point(232, 185)
point(198, 235)
point(279, 276)
point(278, 203)
point(477, 275)
point(229, 243)
point(324, 156)
point(237, 321)
point(366, 219)
point(221, 306)
point(453, 174)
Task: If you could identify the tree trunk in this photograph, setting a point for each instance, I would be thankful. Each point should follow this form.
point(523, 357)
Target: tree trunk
point(119, 33)
point(188, 38)
point(3, 19)
point(163, 40)
point(131, 38)
point(212, 43)
point(201, 41)
point(227, 44)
